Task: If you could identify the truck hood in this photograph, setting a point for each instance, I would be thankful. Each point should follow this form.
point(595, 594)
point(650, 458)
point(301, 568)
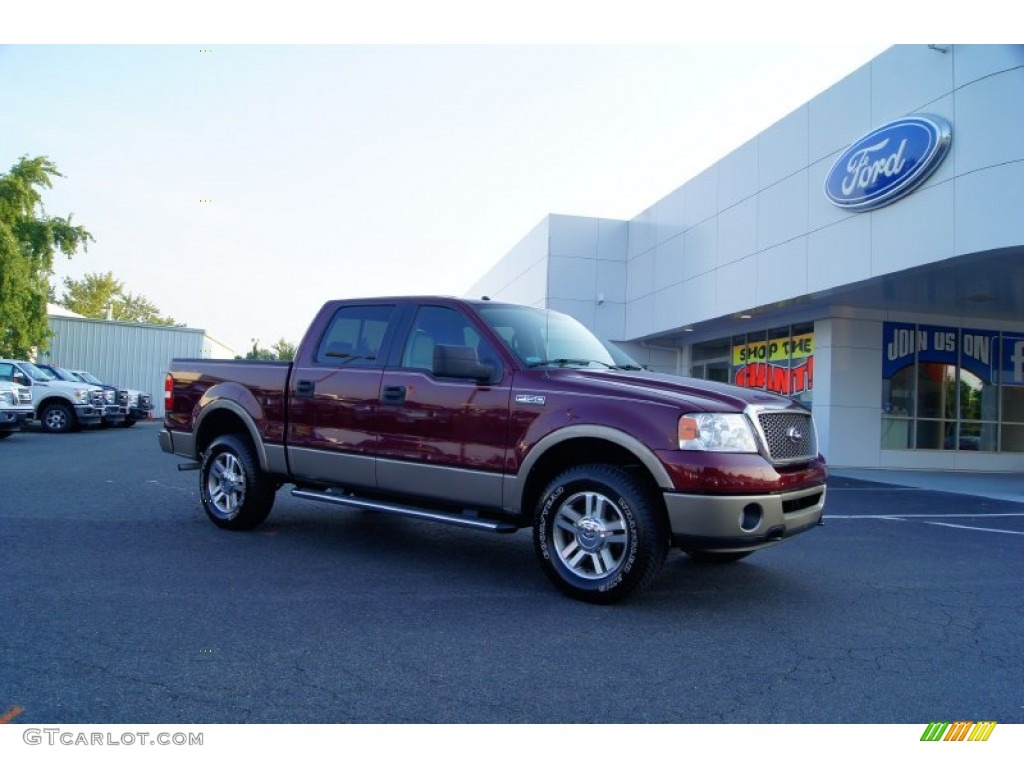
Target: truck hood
point(668, 389)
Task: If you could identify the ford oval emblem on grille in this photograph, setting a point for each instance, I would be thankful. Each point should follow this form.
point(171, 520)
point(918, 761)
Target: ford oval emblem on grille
point(794, 434)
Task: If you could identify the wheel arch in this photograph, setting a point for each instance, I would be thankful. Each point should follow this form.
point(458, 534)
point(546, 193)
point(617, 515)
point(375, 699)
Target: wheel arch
point(224, 417)
point(55, 400)
point(574, 446)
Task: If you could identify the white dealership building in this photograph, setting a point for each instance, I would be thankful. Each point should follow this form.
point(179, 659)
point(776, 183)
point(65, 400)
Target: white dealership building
point(865, 254)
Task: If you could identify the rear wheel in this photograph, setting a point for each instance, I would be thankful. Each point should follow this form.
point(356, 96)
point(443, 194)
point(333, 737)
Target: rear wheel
point(128, 422)
point(236, 494)
point(600, 533)
point(57, 417)
point(5, 434)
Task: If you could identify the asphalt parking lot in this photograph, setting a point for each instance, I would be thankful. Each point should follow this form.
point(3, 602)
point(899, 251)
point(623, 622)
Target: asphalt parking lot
point(122, 604)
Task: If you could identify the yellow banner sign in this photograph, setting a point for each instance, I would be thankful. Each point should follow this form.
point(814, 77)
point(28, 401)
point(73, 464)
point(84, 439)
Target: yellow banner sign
point(774, 351)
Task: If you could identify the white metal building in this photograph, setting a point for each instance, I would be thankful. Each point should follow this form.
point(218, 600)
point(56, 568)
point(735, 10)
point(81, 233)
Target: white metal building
point(898, 315)
point(130, 355)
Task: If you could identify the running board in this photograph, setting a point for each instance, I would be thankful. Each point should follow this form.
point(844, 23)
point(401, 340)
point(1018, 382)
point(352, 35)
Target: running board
point(450, 518)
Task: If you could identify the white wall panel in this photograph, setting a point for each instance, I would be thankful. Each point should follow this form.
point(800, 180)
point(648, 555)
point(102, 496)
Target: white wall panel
point(974, 62)
point(781, 272)
point(700, 248)
point(916, 230)
point(782, 211)
point(737, 232)
point(701, 197)
point(988, 211)
point(839, 254)
point(906, 77)
point(669, 266)
point(572, 236)
point(782, 148)
point(737, 175)
point(840, 115)
point(989, 122)
point(572, 278)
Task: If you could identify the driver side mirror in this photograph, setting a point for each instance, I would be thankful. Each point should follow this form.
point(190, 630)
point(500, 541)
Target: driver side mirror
point(456, 362)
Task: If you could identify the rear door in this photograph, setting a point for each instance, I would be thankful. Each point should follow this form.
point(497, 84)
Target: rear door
point(334, 396)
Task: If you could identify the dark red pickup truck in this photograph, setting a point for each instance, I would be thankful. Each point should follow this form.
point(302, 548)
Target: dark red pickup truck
point(499, 417)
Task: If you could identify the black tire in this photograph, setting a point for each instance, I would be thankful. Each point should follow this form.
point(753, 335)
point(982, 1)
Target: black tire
point(717, 557)
point(57, 418)
point(235, 492)
point(128, 422)
point(4, 435)
point(600, 533)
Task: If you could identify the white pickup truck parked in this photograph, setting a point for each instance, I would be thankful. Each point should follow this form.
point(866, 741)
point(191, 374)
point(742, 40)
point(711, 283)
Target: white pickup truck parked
point(15, 408)
point(60, 406)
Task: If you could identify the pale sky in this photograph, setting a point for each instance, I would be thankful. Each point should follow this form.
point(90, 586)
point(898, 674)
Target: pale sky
point(338, 171)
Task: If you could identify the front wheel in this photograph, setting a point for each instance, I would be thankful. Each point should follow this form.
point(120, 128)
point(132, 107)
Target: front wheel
point(57, 417)
point(128, 422)
point(235, 492)
point(600, 533)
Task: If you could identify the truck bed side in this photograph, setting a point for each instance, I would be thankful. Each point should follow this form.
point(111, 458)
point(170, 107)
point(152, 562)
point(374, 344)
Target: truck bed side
point(252, 394)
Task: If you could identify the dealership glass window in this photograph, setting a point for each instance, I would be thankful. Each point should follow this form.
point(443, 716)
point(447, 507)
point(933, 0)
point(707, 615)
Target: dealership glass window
point(779, 360)
point(946, 389)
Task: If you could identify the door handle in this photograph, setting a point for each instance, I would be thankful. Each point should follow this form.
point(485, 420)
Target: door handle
point(394, 395)
point(304, 388)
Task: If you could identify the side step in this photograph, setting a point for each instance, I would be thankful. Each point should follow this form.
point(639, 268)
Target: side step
point(451, 518)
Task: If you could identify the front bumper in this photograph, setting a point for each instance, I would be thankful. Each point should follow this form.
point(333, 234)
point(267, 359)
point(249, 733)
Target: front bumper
point(113, 414)
point(737, 523)
point(11, 419)
point(88, 414)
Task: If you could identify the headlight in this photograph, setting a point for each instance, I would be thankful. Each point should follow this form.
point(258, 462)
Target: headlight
point(109, 395)
point(7, 398)
point(728, 432)
point(81, 395)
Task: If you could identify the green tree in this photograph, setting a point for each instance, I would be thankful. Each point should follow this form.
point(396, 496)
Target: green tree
point(28, 241)
point(102, 295)
point(280, 350)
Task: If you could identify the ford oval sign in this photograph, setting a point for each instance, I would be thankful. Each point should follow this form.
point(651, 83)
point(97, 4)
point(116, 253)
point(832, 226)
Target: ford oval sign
point(888, 163)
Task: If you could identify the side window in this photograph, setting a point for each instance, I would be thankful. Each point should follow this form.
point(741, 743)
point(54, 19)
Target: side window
point(442, 325)
point(354, 337)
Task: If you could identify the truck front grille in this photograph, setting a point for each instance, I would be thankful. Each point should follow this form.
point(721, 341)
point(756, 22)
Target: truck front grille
point(788, 436)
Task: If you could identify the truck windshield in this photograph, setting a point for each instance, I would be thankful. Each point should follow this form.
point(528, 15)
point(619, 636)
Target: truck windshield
point(37, 373)
point(87, 377)
point(60, 373)
point(543, 337)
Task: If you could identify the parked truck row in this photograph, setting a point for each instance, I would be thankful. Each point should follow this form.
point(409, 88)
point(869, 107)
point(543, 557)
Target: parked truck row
point(63, 401)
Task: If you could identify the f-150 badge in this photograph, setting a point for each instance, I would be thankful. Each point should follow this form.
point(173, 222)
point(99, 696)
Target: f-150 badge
point(531, 399)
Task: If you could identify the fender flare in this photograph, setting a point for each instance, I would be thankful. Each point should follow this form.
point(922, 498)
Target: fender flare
point(514, 486)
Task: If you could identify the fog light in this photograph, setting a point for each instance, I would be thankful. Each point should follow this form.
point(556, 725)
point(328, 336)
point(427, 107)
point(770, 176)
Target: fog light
point(751, 517)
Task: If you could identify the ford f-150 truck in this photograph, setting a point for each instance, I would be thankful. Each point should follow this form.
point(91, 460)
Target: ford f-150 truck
point(500, 417)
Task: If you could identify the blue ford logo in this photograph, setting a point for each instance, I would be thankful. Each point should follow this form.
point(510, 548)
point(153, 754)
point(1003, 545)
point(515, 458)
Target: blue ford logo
point(888, 163)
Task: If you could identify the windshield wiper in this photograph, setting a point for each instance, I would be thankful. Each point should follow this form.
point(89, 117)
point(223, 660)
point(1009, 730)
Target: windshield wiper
point(563, 361)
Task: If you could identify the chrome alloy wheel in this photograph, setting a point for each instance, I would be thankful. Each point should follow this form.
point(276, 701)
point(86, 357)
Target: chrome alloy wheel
point(590, 535)
point(225, 485)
